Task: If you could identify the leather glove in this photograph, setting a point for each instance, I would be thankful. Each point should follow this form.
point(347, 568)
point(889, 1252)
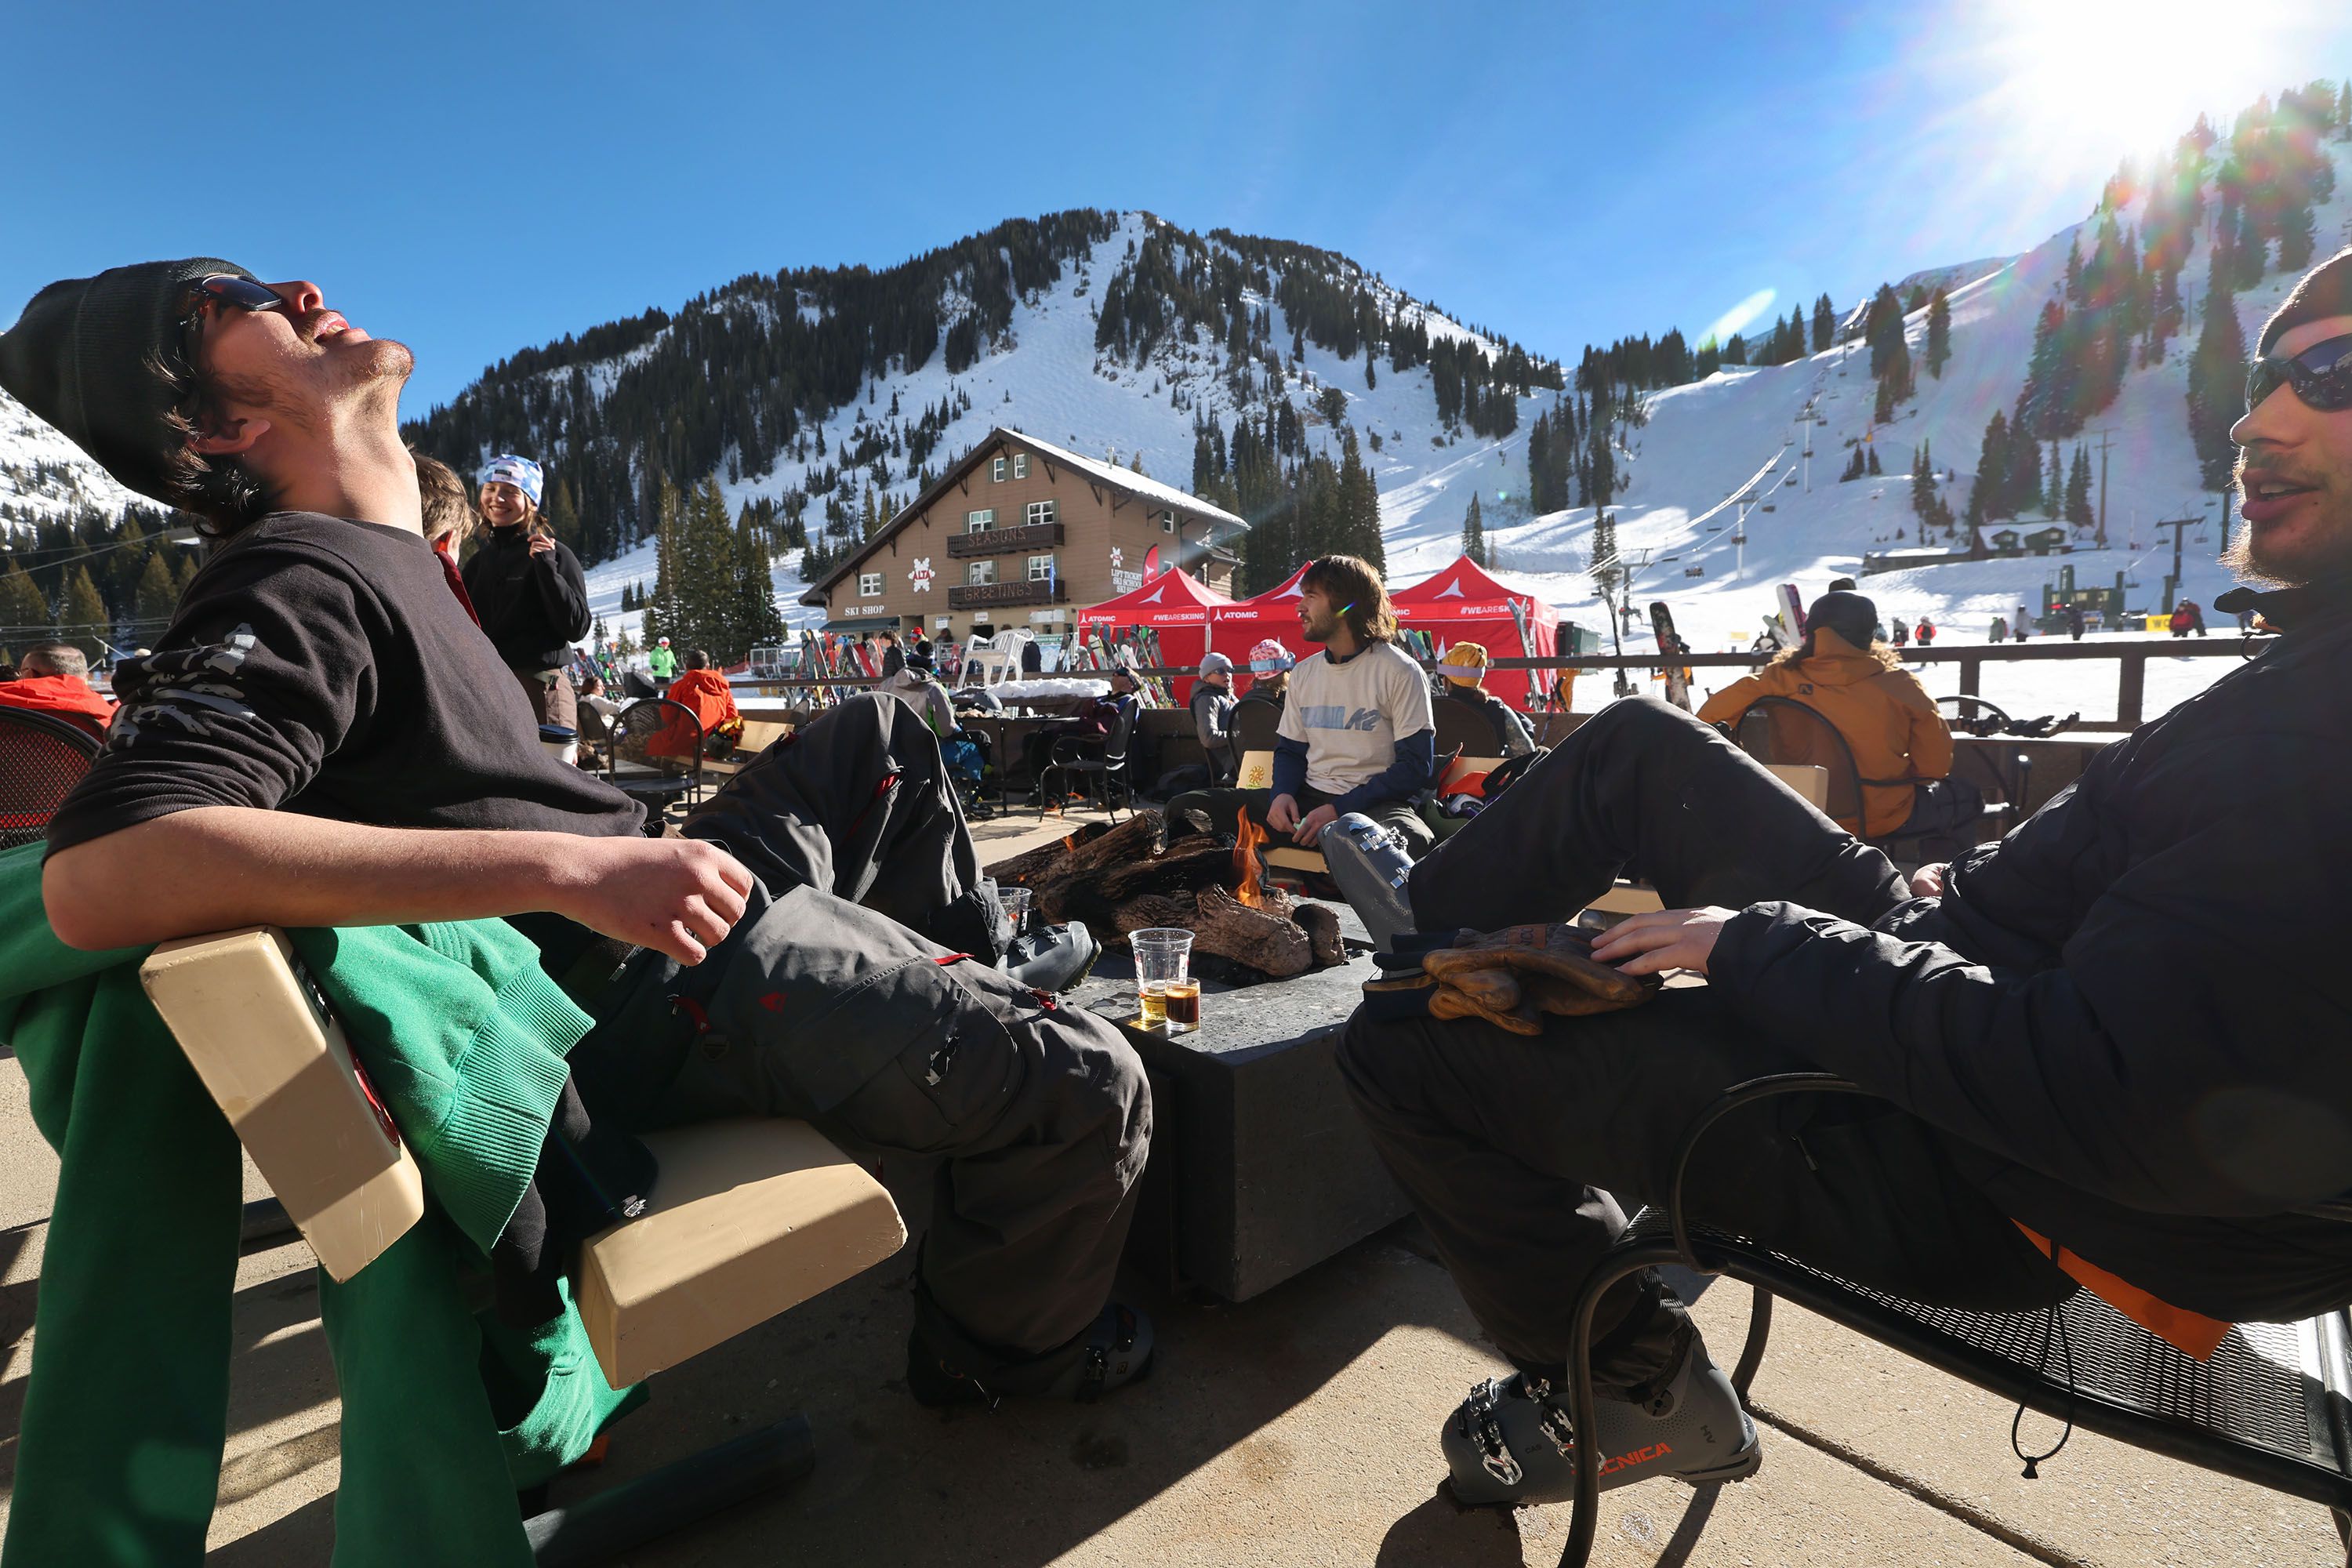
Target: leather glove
point(1551, 967)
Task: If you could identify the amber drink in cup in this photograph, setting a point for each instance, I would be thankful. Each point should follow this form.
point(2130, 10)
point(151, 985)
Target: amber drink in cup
point(1163, 954)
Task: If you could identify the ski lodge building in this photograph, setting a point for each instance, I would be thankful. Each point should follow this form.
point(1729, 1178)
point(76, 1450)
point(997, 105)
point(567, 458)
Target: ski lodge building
point(1022, 533)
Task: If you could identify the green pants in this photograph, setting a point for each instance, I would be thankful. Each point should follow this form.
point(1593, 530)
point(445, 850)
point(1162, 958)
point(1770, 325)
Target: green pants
point(120, 1452)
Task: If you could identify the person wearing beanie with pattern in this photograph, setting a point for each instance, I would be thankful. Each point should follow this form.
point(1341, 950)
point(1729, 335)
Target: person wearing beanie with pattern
point(529, 590)
point(1462, 674)
point(323, 737)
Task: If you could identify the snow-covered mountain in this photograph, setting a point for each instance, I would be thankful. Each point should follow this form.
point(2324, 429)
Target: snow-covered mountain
point(1741, 430)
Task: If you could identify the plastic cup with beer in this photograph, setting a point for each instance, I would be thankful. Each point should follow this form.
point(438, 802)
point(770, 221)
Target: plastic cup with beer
point(1168, 996)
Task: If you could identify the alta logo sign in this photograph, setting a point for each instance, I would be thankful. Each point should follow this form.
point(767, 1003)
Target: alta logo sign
point(1632, 1457)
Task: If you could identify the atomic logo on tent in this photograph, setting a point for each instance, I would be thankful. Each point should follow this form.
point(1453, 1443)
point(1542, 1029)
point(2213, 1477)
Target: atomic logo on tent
point(1450, 591)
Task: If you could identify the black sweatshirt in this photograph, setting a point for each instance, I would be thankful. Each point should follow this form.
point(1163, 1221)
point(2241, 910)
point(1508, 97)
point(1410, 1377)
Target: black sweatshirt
point(2133, 1014)
point(323, 667)
point(533, 607)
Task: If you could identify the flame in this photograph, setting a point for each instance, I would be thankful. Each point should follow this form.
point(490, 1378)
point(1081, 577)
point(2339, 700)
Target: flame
point(1248, 871)
point(1071, 842)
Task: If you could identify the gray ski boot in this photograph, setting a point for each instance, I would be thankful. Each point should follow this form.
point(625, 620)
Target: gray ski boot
point(1511, 1442)
point(1371, 866)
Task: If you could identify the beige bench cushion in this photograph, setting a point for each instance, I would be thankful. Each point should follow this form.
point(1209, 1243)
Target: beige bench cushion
point(280, 1071)
point(749, 1217)
point(1808, 779)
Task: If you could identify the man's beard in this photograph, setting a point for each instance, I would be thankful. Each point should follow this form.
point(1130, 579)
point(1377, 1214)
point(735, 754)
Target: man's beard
point(2252, 558)
point(1318, 631)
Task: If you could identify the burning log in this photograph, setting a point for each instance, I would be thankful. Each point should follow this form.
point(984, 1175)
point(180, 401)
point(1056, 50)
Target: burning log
point(1322, 928)
point(1224, 926)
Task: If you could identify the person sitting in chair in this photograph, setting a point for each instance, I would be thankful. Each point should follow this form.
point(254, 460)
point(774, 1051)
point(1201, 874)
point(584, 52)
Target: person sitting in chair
point(53, 677)
point(1902, 747)
point(323, 737)
point(1213, 715)
point(1463, 675)
point(2090, 1048)
point(1357, 734)
point(703, 692)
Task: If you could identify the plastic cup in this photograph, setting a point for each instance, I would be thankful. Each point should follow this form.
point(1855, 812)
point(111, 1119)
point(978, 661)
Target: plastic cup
point(1163, 957)
point(1016, 905)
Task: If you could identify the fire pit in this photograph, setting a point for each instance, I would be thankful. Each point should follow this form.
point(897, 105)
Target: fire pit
point(1110, 880)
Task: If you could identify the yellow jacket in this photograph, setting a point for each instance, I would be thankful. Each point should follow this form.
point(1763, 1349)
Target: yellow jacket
point(1889, 721)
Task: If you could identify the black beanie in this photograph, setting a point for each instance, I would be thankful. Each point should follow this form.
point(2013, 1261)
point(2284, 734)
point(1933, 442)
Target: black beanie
point(2326, 291)
point(80, 357)
point(1850, 615)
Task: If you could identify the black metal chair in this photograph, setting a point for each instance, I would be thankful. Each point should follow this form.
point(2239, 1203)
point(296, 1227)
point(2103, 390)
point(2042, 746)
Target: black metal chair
point(42, 757)
point(1254, 726)
point(2272, 1406)
point(1784, 730)
point(1102, 759)
point(645, 763)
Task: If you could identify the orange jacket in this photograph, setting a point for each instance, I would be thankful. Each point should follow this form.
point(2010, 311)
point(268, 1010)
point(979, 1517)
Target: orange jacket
point(1889, 721)
point(713, 701)
point(66, 697)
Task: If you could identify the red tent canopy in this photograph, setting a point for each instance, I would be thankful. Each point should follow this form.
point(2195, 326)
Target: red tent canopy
point(1464, 604)
point(1175, 604)
point(1273, 614)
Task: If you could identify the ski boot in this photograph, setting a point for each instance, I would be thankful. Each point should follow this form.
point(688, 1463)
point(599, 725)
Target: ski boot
point(1371, 867)
point(1511, 1443)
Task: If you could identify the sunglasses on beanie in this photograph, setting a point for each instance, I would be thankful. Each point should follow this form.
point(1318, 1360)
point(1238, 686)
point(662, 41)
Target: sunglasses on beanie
point(2321, 376)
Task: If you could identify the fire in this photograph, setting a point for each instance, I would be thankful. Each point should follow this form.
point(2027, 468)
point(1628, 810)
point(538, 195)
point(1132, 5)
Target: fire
point(1071, 842)
point(1248, 871)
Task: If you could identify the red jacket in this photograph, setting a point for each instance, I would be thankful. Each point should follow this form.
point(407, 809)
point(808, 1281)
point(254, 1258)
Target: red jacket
point(713, 701)
point(66, 697)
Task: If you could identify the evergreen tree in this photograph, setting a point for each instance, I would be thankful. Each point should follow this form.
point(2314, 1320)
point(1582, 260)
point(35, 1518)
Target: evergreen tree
point(155, 598)
point(1940, 333)
point(2078, 490)
point(564, 518)
point(753, 619)
point(2217, 381)
point(24, 612)
point(2053, 487)
point(1474, 532)
point(1874, 468)
point(184, 575)
point(2250, 251)
point(1607, 572)
point(1924, 503)
point(1824, 324)
point(82, 609)
point(1883, 411)
point(1985, 494)
point(2297, 239)
point(1359, 505)
point(664, 614)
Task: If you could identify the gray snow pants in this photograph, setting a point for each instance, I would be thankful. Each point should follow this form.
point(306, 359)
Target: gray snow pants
point(844, 996)
point(1523, 1154)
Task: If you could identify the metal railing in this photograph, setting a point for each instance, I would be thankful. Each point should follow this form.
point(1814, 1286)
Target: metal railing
point(2132, 656)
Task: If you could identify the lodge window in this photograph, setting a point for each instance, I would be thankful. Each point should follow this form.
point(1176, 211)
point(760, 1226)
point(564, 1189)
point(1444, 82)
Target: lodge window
point(1167, 522)
point(980, 521)
point(1037, 511)
point(976, 572)
point(1041, 568)
point(869, 584)
point(996, 472)
point(1020, 465)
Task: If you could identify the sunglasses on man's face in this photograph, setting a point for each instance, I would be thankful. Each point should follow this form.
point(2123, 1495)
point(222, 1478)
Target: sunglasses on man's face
point(224, 289)
point(2321, 376)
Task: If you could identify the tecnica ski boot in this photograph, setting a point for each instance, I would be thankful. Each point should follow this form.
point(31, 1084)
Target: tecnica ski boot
point(1371, 867)
point(1511, 1442)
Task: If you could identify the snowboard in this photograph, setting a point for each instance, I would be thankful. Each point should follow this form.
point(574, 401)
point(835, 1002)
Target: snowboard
point(1793, 611)
point(1662, 623)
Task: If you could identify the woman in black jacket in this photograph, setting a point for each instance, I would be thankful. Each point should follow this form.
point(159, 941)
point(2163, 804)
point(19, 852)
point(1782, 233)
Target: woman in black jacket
point(528, 590)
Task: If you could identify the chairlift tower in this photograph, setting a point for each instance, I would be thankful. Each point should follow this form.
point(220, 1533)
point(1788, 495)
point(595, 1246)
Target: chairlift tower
point(2172, 579)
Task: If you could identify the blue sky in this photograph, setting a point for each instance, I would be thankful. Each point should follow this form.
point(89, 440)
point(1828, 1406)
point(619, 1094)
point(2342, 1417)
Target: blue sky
point(476, 179)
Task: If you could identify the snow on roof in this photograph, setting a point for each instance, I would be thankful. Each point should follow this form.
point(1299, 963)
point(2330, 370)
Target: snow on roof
point(1125, 479)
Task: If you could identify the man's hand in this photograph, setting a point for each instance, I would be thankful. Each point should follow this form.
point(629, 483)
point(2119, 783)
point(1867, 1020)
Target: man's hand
point(678, 895)
point(1311, 826)
point(1669, 939)
point(540, 544)
point(1283, 814)
point(1927, 881)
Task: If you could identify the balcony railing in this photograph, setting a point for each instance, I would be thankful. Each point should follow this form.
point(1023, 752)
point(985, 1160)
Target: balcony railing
point(992, 596)
point(1034, 537)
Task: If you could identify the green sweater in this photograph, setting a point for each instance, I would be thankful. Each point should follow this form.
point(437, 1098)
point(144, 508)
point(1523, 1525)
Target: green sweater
point(465, 1038)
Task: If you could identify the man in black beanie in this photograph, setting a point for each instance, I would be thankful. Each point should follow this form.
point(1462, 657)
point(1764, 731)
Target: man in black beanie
point(2098, 1049)
point(323, 737)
